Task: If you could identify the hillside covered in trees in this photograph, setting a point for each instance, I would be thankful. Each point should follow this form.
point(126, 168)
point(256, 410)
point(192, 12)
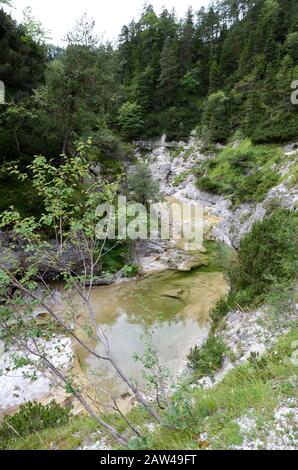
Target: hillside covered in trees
point(146, 341)
point(225, 69)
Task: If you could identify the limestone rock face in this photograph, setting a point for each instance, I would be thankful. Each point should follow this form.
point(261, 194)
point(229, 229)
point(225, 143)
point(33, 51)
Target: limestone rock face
point(173, 165)
point(291, 148)
point(18, 387)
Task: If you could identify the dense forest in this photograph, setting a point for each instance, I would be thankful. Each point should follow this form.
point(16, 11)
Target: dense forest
point(224, 69)
point(219, 84)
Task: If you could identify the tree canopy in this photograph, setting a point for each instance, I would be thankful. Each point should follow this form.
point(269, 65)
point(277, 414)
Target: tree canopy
point(223, 69)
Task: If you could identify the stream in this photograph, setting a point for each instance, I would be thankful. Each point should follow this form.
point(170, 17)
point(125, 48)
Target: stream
point(170, 302)
point(173, 307)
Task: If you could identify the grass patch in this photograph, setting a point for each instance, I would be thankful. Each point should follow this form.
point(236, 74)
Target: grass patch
point(257, 385)
point(180, 179)
point(244, 173)
point(175, 152)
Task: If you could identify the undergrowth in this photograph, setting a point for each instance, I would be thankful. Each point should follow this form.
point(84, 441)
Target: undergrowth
point(244, 173)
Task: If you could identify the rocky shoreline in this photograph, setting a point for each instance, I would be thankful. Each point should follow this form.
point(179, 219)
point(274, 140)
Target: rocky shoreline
point(242, 331)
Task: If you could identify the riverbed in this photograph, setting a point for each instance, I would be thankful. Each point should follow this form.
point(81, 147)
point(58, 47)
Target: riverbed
point(169, 309)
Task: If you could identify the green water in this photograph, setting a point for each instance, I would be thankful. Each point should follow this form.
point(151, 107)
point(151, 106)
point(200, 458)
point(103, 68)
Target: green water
point(173, 306)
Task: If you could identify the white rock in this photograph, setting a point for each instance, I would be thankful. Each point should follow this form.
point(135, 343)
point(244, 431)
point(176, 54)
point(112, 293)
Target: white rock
point(17, 386)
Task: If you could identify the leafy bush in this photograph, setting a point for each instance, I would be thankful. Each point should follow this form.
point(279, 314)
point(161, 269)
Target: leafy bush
point(281, 127)
point(268, 254)
point(215, 120)
point(130, 270)
point(116, 258)
point(207, 359)
point(268, 266)
point(220, 310)
point(19, 194)
point(142, 186)
point(31, 418)
point(106, 147)
point(207, 184)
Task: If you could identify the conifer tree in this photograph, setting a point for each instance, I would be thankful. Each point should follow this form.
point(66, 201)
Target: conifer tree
point(168, 80)
point(214, 77)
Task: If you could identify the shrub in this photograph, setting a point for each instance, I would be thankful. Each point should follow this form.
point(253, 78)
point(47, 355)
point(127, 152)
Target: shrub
point(180, 179)
point(207, 184)
point(142, 186)
point(267, 268)
point(130, 120)
point(221, 309)
point(207, 359)
point(31, 418)
point(215, 121)
point(116, 258)
point(130, 270)
point(106, 147)
point(243, 173)
point(268, 254)
point(281, 127)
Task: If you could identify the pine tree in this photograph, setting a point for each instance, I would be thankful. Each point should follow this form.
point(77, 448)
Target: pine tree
point(168, 80)
point(146, 88)
point(214, 77)
point(215, 121)
point(283, 81)
point(130, 120)
point(187, 42)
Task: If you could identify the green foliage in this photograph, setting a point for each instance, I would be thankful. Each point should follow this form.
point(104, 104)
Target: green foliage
point(18, 194)
point(207, 359)
point(33, 28)
point(243, 173)
point(267, 268)
point(268, 254)
point(72, 96)
point(69, 215)
point(291, 45)
point(215, 120)
point(138, 443)
point(130, 270)
point(108, 149)
point(22, 61)
point(83, 34)
point(31, 418)
point(130, 120)
point(221, 309)
point(179, 414)
point(115, 259)
point(68, 437)
point(142, 186)
point(180, 178)
point(219, 69)
point(258, 386)
point(157, 378)
point(169, 72)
